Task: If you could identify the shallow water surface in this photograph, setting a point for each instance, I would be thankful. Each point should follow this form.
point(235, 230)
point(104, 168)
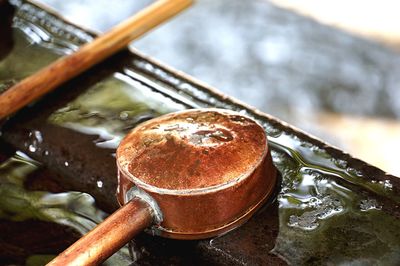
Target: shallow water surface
point(328, 212)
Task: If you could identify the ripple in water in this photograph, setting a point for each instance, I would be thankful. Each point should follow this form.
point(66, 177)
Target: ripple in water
point(369, 204)
point(320, 209)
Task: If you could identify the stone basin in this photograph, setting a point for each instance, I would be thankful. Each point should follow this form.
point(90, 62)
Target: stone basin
point(331, 208)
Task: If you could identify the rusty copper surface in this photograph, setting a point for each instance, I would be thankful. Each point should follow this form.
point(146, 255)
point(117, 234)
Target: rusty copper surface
point(207, 169)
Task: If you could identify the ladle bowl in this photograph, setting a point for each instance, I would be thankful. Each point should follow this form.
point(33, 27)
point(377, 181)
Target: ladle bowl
point(208, 170)
point(192, 174)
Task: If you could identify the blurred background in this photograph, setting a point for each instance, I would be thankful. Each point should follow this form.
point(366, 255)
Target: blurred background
point(331, 67)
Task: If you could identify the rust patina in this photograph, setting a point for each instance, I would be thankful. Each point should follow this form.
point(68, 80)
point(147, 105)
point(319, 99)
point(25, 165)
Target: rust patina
point(207, 169)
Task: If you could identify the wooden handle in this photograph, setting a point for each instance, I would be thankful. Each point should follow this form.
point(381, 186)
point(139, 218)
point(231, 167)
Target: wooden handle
point(109, 236)
point(67, 67)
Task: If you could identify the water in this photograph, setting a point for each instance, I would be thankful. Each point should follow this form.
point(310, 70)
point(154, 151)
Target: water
point(325, 219)
point(111, 108)
point(72, 209)
point(15, 66)
point(329, 212)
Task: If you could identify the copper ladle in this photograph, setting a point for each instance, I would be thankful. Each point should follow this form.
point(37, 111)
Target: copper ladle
point(188, 175)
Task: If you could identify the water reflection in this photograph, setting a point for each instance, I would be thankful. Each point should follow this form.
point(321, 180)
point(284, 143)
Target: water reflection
point(112, 108)
point(282, 63)
point(323, 221)
point(73, 209)
point(327, 212)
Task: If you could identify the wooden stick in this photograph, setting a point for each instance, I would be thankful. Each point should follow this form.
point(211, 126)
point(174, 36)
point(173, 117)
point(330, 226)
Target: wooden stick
point(67, 67)
point(109, 236)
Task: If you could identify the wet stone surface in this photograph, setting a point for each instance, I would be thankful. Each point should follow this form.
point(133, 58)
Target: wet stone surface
point(280, 62)
point(331, 209)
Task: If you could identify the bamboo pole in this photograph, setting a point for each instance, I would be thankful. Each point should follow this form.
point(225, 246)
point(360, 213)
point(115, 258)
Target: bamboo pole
point(69, 66)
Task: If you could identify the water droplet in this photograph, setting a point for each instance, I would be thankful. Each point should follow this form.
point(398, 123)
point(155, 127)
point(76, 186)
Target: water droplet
point(278, 157)
point(32, 148)
point(124, 115)
point(354, 171)
point(38, 136)
point(35, 139)
point(340, 163)
point(271, 130)
point(369, 204)
point(307, 144)
point(320, 151)
point(210, 137)
point(237, 118)
point(175, 127)
point(307, 221)
point(386, 184)
point(314, 202)
point(66, 164)
point(321, 208)
point(99, 184)
point(313, 173)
